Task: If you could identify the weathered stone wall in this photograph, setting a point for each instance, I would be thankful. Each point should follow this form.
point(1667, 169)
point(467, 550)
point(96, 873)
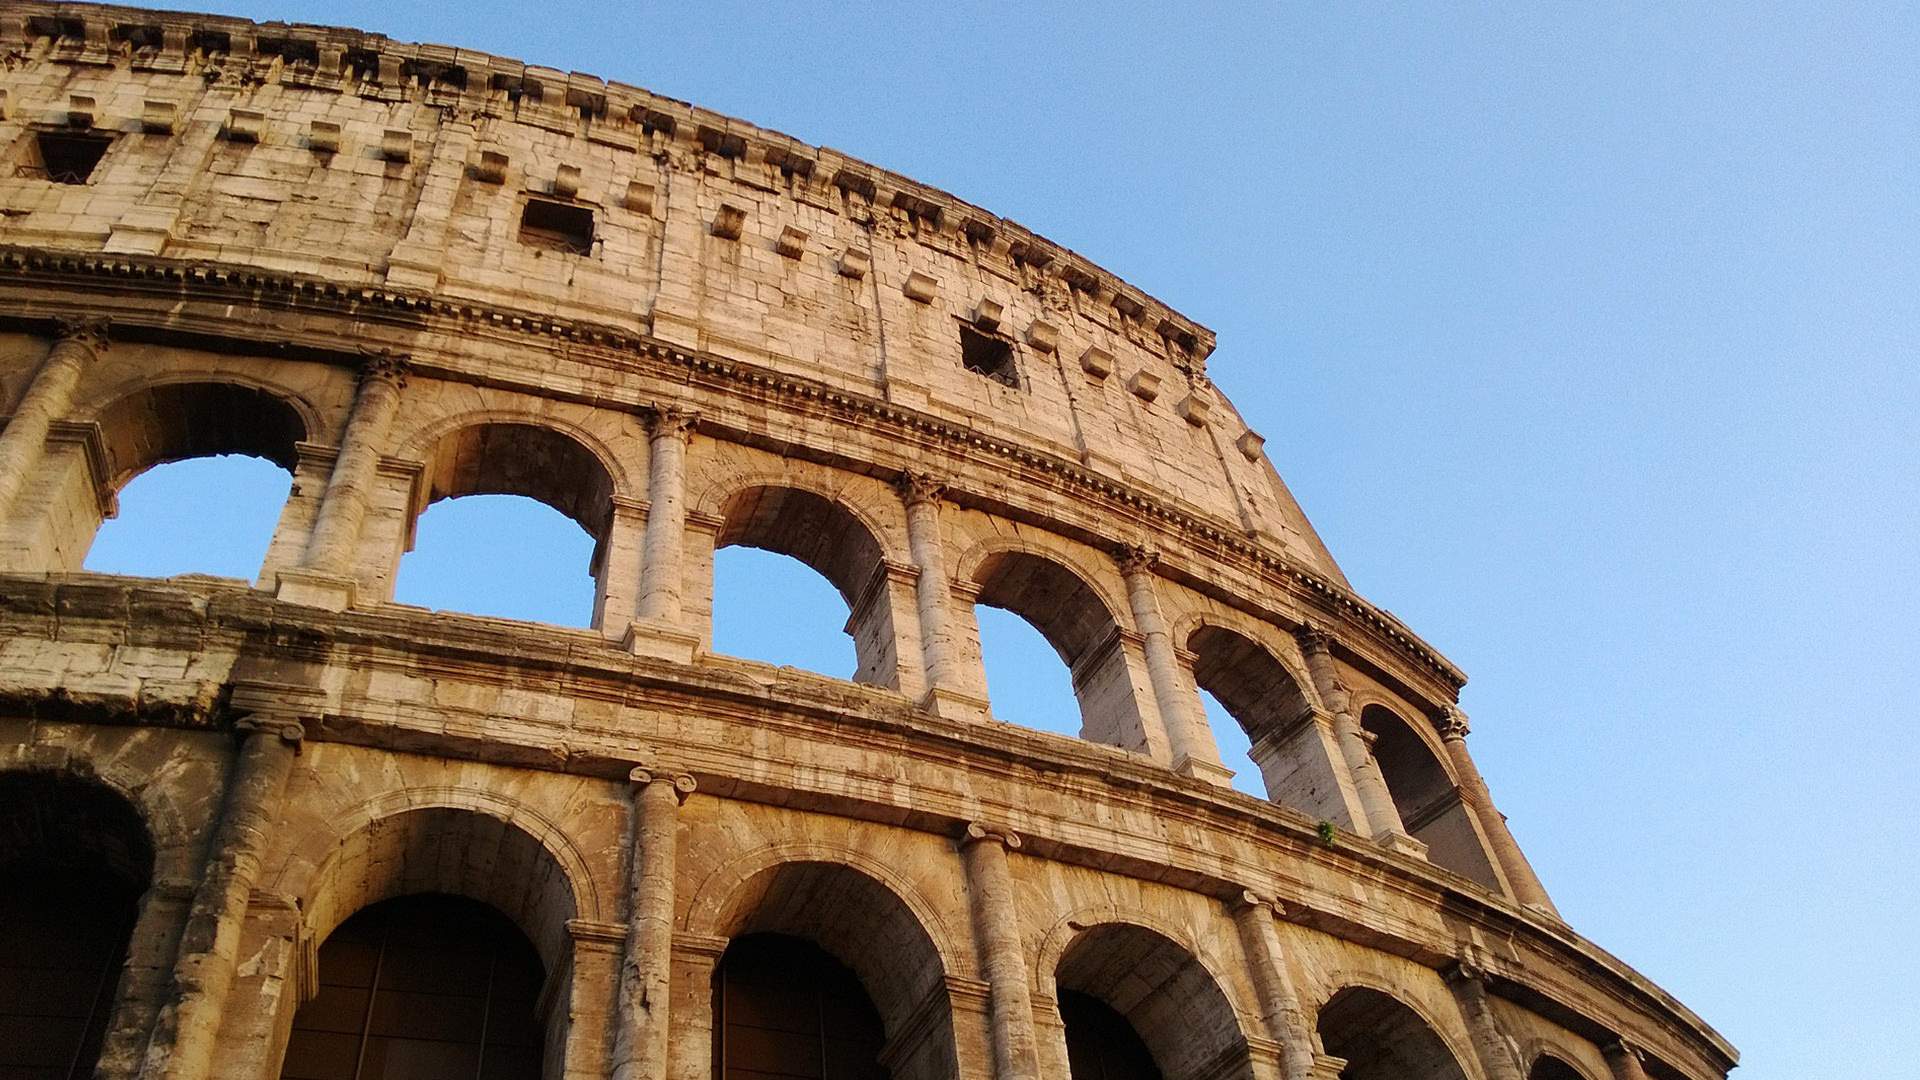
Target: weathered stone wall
point(307, 245)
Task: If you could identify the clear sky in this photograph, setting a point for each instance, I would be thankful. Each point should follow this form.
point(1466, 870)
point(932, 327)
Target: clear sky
point(1585, 334)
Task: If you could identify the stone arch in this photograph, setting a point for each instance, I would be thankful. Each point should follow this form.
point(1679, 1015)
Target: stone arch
point(421, 442)
point(831, 536)
point(459, 841)
point(1383, 1036)
point(174, 841)
point(1548, 1065)
point(1159, 982)
point(1426, 794)
point(78, 920)
point(864, 915)
point(1271, 703)
point(1077, 618)
point(186, 416)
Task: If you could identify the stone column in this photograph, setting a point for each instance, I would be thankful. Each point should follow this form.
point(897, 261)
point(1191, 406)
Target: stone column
point(1383, 817)
point(49, 397)
point(1496, 1054)
point(1189, 740)
point(948, 689)
point(996, 925)
point(1253, 915)
point(657, 629)
point(1624, 1059)
point(1513, 862)
point(668, 429)
point(641, 1030)
point(184, 1036)
point(325, 575)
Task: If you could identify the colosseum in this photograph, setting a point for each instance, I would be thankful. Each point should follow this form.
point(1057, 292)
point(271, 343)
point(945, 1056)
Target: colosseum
point(287, 827)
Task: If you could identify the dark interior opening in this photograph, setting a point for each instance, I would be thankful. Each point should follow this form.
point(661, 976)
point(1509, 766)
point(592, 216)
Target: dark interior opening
point(422, 986)
point(66, 157)
point(1101, 1045)
point(988, 355)
point(557, 225)
point(784, 1009)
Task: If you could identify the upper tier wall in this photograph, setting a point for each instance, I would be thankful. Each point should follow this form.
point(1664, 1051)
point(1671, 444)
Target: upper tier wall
point(367, 162)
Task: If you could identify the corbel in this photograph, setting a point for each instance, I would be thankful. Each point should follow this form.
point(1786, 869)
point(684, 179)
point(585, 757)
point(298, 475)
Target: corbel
point(791, 243)
point(729, 222)
point(158, 116)
point(80, 111)
point(1195, 409)
point(323, 137)
point(1043, 335)
point(491, 168)
point(987, 313)
point(1251, 444)
point(1097, 362)
point(566, 181)
point(396, 145)
point(244, 125)
point(920, 288)
point(640, 196)
point(855, 262)
point(1144, 384)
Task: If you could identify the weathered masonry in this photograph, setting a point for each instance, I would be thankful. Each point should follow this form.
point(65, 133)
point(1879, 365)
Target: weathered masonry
point(288, 828)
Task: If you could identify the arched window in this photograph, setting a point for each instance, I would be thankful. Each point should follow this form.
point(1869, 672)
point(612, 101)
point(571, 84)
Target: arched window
point(202, 472)
point(1101, 1045)
point(1429, 803)
point(1079, 628)
point(769, 608)
point(426, 987)
point(1382, 1039)
point(1136, 1004)
point(1025, 679)
point(74, 861)
point(785, 1010)
point(1272, 712)
point(1548, 1067)
point(514, 553)
point(826, 966)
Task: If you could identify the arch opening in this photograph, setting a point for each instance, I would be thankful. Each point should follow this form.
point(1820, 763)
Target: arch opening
point(490, 550)
point(1272, 711)
point(1548, 1067)
point(863, 925)
point(428, 985)
point(1081, 630)
point(75, 859)
point(784, 1009)
point(1429, 803)
point(767, 610)
point(1380, 1038)
point(202, 472)
point(1158, 991)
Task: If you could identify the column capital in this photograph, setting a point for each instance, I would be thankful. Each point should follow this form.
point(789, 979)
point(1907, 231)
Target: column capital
point(1312, 639)
point(1453, 723)
point(88, 330)
point(919, 487)
point(1464, 971)
point(645, 776)
point(670, 421)
point(1621, 1048)
point(384, 365)
point(977, 831)
point(1250, 900)
point(291, 729)
point(1136, 559)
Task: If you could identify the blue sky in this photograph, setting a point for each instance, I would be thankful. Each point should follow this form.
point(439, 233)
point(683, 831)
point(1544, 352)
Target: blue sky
point(1586, 335)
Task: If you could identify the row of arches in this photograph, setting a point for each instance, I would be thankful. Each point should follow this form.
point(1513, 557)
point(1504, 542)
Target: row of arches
point(445, 946)
point(1050, 642)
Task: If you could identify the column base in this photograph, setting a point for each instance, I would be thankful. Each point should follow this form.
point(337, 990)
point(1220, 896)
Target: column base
point(954, 705)
point(661, 642)
point(309, 588)
point(1208, 771)
point(1402, 843)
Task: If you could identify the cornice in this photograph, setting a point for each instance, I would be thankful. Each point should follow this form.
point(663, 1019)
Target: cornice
point(415, 310)
point(348, 61)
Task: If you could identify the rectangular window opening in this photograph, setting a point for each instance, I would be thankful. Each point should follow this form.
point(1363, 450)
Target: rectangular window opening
point(558, 226)
point(989, 356)
point(64, 157)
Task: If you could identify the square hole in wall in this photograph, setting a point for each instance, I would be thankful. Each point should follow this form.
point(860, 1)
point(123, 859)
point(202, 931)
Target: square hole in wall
point(987, 355)
point(558, 226)
point(64, 157)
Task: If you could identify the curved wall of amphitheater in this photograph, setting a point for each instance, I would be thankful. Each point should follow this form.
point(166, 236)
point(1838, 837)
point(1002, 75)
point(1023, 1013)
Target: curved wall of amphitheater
point(407, 273)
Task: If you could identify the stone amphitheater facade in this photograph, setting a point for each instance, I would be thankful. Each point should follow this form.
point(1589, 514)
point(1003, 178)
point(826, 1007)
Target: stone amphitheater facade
point(407, 273)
